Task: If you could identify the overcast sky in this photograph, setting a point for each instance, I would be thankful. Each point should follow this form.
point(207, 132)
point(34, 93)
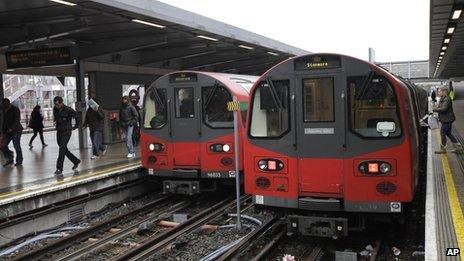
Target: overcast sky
point(398, 30)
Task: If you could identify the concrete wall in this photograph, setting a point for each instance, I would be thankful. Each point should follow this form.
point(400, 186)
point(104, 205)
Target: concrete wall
point(107, 87)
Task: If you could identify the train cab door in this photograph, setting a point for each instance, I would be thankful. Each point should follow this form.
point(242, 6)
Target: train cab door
point(320, 133)
point(184, 128)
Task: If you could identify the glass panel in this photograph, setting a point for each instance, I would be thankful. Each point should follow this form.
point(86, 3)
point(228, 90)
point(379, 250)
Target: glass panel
point(372, 100)
point(155, 109)
point(318, 100)
point(215, 112)
point(184, 103)
point(270, 113)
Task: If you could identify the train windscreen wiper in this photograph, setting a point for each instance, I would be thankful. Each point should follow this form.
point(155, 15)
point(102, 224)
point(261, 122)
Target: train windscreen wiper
point(158, 98)
point(274, 95)
point(364, 85)
point(210, 95)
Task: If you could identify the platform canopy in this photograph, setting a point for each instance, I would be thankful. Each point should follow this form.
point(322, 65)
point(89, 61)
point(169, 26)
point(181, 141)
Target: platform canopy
point(447, 39)
point(142, 33)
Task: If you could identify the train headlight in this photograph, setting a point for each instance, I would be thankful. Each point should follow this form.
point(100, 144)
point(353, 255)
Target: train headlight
point(270, 165)
point(385, 167)
point(218, 147)
point(262, 165)
point(156, 147)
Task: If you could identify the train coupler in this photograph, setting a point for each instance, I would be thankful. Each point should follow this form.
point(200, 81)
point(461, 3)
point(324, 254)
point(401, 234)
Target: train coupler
point(317, 226)
point(186, 187)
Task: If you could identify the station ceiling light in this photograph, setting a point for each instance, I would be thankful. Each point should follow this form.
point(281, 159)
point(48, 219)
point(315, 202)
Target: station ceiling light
point(207, 38)
point(442, 53)
point(444, 48)
point(63, 2)
point(148, 23)
point(447, 40)
point(450, 30)
point(456, 14)
point(272, 53)
point(246, 47)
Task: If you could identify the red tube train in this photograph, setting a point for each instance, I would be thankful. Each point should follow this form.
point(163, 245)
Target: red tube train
point(330, 135)
point(187, 135)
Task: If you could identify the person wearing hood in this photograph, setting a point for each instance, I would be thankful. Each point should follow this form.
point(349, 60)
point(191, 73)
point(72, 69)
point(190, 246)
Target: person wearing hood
point(94, 117)
point(128, 118)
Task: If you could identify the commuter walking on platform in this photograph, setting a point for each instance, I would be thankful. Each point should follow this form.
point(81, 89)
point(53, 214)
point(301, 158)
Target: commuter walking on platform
point(128, 118)
point(36, 124)
point(94, 120)
point(11, 131)
point(63, 116)
point(446, 117)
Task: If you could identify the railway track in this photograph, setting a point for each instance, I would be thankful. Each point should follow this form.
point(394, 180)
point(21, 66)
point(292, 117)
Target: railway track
point(80, 236)
point(158, 242)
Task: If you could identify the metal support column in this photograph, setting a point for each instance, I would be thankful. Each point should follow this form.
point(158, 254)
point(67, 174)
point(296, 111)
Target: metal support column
point(2, 95)
point(80, 103)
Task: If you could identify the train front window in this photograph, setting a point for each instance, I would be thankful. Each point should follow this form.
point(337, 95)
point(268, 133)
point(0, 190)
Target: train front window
point(270, 110)
point(215, 113)
point(155, 109)
point(373, 105)
point(184, 103)
point(318, 100)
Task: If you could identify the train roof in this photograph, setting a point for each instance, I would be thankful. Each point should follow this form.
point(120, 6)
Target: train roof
point(235, 82)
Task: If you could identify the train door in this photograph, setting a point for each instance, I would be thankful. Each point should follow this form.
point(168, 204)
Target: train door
point(320, 133)
point(185, 119)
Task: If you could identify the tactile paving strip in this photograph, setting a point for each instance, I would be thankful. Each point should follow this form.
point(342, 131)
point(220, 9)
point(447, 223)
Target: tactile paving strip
point(446, 236)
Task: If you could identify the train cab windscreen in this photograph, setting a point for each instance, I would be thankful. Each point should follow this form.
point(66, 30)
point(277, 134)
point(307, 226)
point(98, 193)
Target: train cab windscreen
point(270, 112)
point(155, 109)
point(215, 113)
point(373, 107)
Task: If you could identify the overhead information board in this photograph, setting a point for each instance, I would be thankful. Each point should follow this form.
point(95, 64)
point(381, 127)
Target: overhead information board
point(39, 57)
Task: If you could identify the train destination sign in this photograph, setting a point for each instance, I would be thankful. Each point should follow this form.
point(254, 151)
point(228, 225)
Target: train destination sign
point(183, 77)
point(317, 62)
point(39, 57)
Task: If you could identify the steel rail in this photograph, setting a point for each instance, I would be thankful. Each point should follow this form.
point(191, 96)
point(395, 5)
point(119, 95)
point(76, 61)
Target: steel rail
point(154, 244)
point(86, 233)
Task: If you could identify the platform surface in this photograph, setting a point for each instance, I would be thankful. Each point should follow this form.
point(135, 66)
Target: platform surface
point(39, 164)
point(445, 193)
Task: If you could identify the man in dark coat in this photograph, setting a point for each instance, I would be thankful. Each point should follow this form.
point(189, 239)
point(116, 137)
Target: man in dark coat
point(11, 131)
point(446, 117)
point(63, 116)
point(94, 120)
point(128, 118)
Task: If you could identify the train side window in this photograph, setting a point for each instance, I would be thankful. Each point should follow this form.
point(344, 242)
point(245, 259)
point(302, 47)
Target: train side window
point(155, 109)
point(372, 100)
point(318, 100)
point(215, 113)
point(184, 103)
point(270, 110)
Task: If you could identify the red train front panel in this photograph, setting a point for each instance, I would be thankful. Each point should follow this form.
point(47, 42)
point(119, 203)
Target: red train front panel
point(331, 133)
point(187, 131)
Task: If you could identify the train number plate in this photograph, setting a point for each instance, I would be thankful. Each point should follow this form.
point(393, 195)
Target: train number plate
point(151, 171)
point(232, 174)
point(395, 206)
point(259, 199)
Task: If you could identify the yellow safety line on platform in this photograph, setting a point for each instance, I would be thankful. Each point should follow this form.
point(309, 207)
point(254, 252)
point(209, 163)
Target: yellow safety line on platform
point(456, 211)
point(9, 194)
point(70, 179)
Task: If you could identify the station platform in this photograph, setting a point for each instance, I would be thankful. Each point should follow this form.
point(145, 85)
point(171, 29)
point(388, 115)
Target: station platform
point(39, 163)
point(444, 222)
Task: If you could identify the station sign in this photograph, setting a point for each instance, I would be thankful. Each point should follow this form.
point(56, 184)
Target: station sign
point(39, 57)
point(317, 62)
point(183, 77)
